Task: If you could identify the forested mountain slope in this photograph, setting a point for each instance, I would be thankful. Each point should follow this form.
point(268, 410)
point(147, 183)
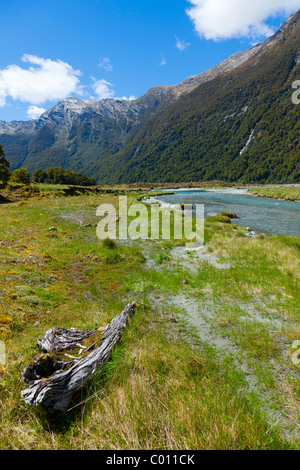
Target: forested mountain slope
point(235, 122)
point(241, 126)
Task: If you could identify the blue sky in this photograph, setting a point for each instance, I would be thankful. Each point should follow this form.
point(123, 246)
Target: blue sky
point(93, 49)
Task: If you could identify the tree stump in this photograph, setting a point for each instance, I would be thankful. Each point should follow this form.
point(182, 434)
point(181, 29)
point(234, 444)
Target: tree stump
point(52, 380)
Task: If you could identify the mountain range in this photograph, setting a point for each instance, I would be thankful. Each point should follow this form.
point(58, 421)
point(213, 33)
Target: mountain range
point(234, 122)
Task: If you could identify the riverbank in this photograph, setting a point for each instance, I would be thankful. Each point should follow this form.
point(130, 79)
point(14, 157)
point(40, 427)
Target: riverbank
point(281, 192)
point(206, 362)
point(286, 193)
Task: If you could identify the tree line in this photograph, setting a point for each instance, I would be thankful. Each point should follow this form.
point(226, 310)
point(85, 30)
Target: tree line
point(57, 175)
point(53, 175)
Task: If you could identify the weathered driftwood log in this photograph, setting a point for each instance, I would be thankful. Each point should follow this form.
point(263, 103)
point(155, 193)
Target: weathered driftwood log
point(61, 339)
point(56, 391)
point(41, 367)
point(55, 341)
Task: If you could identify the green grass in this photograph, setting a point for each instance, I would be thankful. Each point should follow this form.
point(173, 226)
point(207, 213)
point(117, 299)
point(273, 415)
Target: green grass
point(289, 193)
point(224, 219)
point(164, 388)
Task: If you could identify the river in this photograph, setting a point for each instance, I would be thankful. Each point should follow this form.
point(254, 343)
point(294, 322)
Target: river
point(269, 216)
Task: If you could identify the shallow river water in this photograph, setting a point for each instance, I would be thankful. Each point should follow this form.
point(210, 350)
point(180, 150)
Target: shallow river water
point(269, 216)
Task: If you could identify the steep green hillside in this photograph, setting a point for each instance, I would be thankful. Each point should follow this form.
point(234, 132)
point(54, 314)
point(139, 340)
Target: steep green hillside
point(203, 136)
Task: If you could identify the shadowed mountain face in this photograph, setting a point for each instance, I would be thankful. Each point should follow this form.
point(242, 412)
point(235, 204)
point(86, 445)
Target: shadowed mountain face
point(235, 122)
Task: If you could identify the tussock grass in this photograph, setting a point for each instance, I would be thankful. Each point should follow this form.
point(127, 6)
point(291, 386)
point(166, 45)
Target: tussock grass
point(163, 389)
point(154, 394)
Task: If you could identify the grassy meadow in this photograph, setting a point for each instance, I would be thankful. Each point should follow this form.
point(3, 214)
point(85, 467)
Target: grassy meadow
point(206, 361)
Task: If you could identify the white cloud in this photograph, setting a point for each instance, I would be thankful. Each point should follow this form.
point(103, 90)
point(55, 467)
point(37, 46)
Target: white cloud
point(131, 98)
point(43, 80)
point(223, 19)
point(106, 64)
point(163, 61)
point(181, 45)
point(34, 112)
point(103, 89)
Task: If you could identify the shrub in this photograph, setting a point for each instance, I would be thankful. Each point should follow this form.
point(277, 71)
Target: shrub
point(229, 214)
point(109, 243)
point(161, 258)
point(20, 175)
point(114, 258)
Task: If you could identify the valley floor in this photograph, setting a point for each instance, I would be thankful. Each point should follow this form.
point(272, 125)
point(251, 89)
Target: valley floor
point(209, 360)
